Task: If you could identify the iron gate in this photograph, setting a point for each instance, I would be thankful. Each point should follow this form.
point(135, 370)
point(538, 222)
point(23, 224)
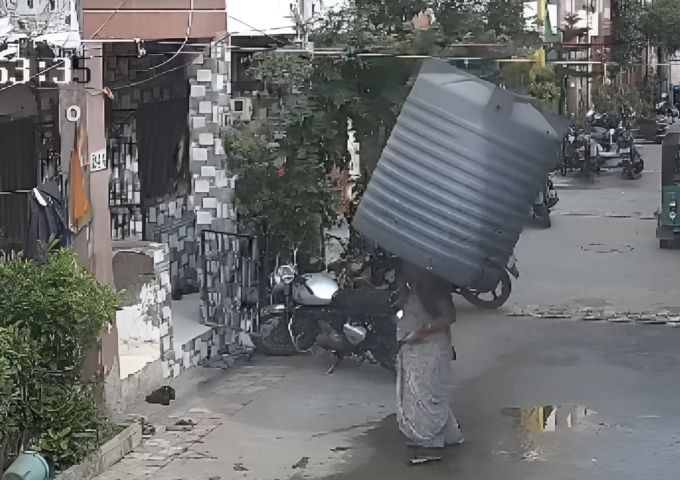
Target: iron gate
point(230, 282)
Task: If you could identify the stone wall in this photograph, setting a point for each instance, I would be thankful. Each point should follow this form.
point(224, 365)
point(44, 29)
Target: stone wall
point(174, 223)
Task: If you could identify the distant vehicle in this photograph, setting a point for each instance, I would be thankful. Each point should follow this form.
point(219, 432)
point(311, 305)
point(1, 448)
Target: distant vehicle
point(668, 221)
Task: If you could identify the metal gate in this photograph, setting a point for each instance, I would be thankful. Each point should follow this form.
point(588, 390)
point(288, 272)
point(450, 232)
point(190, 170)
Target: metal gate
point(230, 282)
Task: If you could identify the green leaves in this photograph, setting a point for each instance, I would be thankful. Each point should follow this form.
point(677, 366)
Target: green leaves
point(51, 314)
point(660, 22)
point(319, 94)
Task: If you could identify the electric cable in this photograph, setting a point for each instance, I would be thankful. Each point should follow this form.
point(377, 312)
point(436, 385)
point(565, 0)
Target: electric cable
point(186, 39)
point(113, 14)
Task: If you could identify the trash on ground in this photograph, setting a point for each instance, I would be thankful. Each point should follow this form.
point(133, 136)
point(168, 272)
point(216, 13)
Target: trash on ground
point(302, 463)
point(421, 460)
point(162, 395)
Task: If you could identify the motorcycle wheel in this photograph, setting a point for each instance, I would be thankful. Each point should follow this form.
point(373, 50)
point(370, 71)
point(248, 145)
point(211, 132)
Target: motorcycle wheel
point(274, 339)
point(542, 215)
point(475, 296)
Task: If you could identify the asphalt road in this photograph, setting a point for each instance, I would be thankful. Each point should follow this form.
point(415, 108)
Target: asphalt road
point(609, 393)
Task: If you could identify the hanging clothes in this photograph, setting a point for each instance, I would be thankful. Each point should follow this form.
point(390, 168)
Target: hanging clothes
point(80, 211)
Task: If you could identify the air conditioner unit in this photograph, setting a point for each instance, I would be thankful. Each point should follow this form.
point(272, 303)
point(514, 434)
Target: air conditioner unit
point(242, 109)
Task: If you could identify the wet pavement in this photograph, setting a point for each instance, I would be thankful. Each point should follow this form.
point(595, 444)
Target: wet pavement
point(537, 398)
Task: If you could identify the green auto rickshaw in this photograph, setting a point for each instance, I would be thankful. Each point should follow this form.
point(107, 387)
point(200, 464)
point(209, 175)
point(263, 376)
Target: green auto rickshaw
point(668, 226)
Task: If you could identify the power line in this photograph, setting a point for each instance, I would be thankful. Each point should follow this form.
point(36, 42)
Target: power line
point(113, 14)
point(186, 39)
point(134, 84)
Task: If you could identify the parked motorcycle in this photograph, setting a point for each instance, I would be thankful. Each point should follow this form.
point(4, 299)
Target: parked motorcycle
point(575, 155)
point(545, 200)
point(614, 144)
point(631, 160)
point(312, 309)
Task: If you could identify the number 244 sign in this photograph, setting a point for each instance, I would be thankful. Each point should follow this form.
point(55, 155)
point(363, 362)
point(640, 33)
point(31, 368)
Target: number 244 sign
point(57, 70)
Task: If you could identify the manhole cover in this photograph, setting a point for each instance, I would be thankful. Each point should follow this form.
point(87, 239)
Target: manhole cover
point(606, 248)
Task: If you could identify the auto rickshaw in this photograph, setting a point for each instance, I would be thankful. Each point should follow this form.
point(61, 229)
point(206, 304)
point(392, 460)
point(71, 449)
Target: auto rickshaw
point(668, 226)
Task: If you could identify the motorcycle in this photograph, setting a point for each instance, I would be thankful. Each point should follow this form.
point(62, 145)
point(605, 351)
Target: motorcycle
point(312, 309)
point(574, 152)
point(545, 200)
point(614, 145)
point(631, 163)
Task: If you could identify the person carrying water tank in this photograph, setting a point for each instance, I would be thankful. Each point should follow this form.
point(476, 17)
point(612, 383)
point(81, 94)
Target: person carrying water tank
point(424, 360)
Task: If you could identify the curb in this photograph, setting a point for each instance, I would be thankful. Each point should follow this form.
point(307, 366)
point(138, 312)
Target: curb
point(588, 314)
point(108, 454)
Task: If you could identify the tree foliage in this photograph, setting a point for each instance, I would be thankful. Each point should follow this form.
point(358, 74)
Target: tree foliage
point(629, 38)
point(620, 101)
point(542, 85)
point(51, 313)
point(660, 22)
point(323, 92)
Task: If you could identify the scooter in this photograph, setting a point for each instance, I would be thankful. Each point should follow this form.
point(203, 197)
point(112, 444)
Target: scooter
point(492, 299)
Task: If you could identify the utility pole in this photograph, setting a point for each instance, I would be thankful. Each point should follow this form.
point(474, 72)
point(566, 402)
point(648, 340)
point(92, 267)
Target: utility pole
point(303, 15)
point(539, 55)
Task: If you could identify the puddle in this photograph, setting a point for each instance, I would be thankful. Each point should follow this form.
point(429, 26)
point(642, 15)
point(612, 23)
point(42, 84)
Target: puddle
point(549, 418)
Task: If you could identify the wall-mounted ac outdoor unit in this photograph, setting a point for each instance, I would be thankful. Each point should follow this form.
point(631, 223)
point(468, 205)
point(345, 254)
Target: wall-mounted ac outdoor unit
point(242, 109)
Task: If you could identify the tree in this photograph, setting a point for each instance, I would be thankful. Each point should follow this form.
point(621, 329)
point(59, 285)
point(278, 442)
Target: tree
point(542, 85)
point(660, 22)
point(629, 38)
point(332, 90)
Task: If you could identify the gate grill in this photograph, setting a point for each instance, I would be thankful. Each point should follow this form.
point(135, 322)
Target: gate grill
point(230, 282)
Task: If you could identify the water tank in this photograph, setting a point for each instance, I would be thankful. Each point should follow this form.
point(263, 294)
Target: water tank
point(454, 184)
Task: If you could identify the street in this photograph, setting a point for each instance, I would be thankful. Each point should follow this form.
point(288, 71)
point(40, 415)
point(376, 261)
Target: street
point(283, 418)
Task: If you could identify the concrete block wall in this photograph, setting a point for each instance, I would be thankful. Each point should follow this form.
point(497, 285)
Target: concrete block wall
point(212, 184)
point(174, 223)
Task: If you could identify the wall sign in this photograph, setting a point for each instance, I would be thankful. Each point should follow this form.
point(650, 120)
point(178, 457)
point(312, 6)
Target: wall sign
point(58, 70)
point(98, 161)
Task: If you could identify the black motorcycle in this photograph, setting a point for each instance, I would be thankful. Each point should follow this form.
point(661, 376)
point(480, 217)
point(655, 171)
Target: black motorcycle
point(545, 200)
point(575, 155)
point(313, 309)
point(631, 162)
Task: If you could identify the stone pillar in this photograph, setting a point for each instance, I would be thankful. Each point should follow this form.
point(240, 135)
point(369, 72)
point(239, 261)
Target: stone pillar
point(212, 184)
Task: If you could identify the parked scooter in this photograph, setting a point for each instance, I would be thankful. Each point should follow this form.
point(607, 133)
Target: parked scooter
point(631, 160)
point(614, 145)
point(575, 155)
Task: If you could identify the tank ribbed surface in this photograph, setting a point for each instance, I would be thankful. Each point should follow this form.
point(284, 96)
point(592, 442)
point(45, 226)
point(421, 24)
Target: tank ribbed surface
point(455, 182)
